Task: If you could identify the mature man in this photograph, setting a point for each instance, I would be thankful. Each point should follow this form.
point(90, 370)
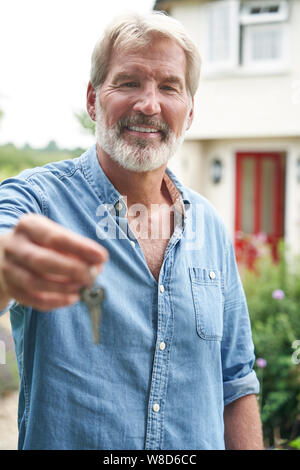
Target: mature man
point(173, 369)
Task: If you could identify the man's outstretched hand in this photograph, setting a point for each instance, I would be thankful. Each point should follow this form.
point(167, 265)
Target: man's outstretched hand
point(43, 265)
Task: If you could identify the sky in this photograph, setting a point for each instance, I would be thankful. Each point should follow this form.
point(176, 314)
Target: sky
point(45, 52)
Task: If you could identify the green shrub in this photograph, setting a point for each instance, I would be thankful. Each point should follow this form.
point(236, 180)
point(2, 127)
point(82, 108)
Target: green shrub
point(273, 295)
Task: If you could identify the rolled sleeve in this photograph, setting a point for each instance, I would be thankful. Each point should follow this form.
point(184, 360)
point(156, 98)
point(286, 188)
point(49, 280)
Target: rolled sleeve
point(238, 356)
point(238, 388)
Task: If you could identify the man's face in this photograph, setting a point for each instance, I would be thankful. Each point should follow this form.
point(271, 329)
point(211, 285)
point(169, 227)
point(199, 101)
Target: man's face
point(143, 108)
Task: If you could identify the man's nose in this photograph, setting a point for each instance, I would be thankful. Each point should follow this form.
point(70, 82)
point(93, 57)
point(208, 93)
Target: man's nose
point(148, 101)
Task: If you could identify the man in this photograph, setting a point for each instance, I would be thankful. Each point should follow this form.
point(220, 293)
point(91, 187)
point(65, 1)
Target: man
point(175, 341)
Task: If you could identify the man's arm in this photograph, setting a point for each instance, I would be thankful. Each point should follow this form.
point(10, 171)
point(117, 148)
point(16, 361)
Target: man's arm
point(243, 430)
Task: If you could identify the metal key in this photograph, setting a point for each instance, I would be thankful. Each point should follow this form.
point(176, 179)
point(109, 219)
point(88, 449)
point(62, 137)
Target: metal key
point(93, 298)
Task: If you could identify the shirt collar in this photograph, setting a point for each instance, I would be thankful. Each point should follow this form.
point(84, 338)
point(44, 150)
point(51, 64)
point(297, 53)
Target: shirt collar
point(109, 195)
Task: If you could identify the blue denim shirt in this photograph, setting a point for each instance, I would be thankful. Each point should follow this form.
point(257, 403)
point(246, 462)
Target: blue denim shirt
point(172, 353)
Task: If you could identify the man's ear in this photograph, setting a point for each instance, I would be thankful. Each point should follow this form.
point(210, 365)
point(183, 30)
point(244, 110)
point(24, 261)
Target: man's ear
point(91, 101)
point(191, 115)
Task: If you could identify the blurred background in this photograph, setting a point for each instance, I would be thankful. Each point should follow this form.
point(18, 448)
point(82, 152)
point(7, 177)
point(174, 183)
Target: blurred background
point(242, 153)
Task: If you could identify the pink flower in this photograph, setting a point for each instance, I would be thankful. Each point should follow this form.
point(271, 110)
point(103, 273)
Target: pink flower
point(262, 237)
point(278, 294)
point(261, 363)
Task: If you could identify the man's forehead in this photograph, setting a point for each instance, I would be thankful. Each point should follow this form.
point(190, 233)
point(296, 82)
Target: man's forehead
point(131, 71)
point(165, 58)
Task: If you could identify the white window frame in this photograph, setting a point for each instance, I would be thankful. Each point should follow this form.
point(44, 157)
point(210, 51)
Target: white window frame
point(232, 61)
point(268, 65)
point(243, 22)
point(247, 18)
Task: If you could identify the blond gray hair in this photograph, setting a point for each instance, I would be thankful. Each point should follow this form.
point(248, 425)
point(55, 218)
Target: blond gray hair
point(135, 31)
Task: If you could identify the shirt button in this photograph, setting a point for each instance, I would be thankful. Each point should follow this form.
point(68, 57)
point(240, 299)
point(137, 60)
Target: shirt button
point(119, 206)
point(155, 407)
point(212, 275)
point(132, 243)
point(162, 346)
point(161, 288)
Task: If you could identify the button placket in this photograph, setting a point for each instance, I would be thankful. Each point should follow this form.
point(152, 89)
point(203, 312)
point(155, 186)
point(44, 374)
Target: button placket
point(159, 374)
point(161, 361)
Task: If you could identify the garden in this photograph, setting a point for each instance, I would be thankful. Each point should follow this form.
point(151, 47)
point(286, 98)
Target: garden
point(273, 294)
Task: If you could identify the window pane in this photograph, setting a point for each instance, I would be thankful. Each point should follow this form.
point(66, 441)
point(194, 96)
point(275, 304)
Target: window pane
point(219, 24)
point(248, 168)
point(265, 43)
point(267, 199)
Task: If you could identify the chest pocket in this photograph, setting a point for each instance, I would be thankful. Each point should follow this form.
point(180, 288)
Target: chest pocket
point(207, 290)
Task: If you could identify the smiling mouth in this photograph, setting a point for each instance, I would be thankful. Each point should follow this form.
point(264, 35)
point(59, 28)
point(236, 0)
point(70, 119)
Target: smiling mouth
point(143, 130)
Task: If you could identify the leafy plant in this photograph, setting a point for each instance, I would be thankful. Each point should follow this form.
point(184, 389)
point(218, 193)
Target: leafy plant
point(273, 295)
point(86, 122)
point(295, 443)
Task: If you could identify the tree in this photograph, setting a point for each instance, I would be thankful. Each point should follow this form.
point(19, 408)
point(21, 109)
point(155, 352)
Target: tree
point(52, 146)
point(85, 121)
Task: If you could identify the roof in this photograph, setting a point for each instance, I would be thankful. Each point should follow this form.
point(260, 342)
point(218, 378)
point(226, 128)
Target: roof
point(166, 5)
point(162, 4)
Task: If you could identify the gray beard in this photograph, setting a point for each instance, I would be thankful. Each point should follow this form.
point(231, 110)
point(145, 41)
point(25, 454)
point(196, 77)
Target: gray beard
point(140, 155)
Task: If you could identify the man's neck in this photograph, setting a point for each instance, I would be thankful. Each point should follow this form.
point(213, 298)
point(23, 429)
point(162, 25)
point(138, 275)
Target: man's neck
point(140, 187)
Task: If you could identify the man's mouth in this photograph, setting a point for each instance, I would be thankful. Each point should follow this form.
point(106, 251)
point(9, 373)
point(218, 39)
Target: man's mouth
point(145, 130)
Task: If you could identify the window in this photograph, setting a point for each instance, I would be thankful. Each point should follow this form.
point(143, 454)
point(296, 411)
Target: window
point(221, 34)
point(246, 35)
point(263, 34)
point(266, 11)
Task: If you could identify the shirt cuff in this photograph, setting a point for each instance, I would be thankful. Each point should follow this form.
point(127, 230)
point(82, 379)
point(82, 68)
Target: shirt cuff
point(8, 307)
point(238, 388)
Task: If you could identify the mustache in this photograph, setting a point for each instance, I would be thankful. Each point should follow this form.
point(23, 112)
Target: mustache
point(143, 120)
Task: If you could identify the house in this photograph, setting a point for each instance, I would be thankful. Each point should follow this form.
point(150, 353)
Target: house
point(243, 149)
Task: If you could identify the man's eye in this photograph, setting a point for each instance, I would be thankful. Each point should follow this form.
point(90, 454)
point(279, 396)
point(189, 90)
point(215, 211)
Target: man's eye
point(129, 84)
point(168, 88)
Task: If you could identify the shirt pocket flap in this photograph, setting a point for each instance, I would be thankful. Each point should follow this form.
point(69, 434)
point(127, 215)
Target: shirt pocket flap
point(207, 287)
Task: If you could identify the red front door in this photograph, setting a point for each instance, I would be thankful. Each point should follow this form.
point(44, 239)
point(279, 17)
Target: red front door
point(259, 199)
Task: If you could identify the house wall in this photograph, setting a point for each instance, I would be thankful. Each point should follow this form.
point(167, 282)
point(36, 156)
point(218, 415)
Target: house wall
point(192, 166)
point(241, 104)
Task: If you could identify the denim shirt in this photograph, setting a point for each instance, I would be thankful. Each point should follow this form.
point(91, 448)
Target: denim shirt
point(172, 353)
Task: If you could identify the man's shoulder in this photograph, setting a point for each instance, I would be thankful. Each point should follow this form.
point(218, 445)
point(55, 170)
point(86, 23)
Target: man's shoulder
point(59, 169)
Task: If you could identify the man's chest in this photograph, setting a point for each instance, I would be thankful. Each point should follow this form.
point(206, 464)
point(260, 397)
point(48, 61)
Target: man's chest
point(153, 231)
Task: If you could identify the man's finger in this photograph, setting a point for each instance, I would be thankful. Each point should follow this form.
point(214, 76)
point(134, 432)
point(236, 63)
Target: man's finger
point(45, 232)
point(44, 261)
point(18, 276)
point(44, 301)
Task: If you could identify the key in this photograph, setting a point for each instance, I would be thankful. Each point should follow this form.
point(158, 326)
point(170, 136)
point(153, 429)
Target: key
point(93, 298)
